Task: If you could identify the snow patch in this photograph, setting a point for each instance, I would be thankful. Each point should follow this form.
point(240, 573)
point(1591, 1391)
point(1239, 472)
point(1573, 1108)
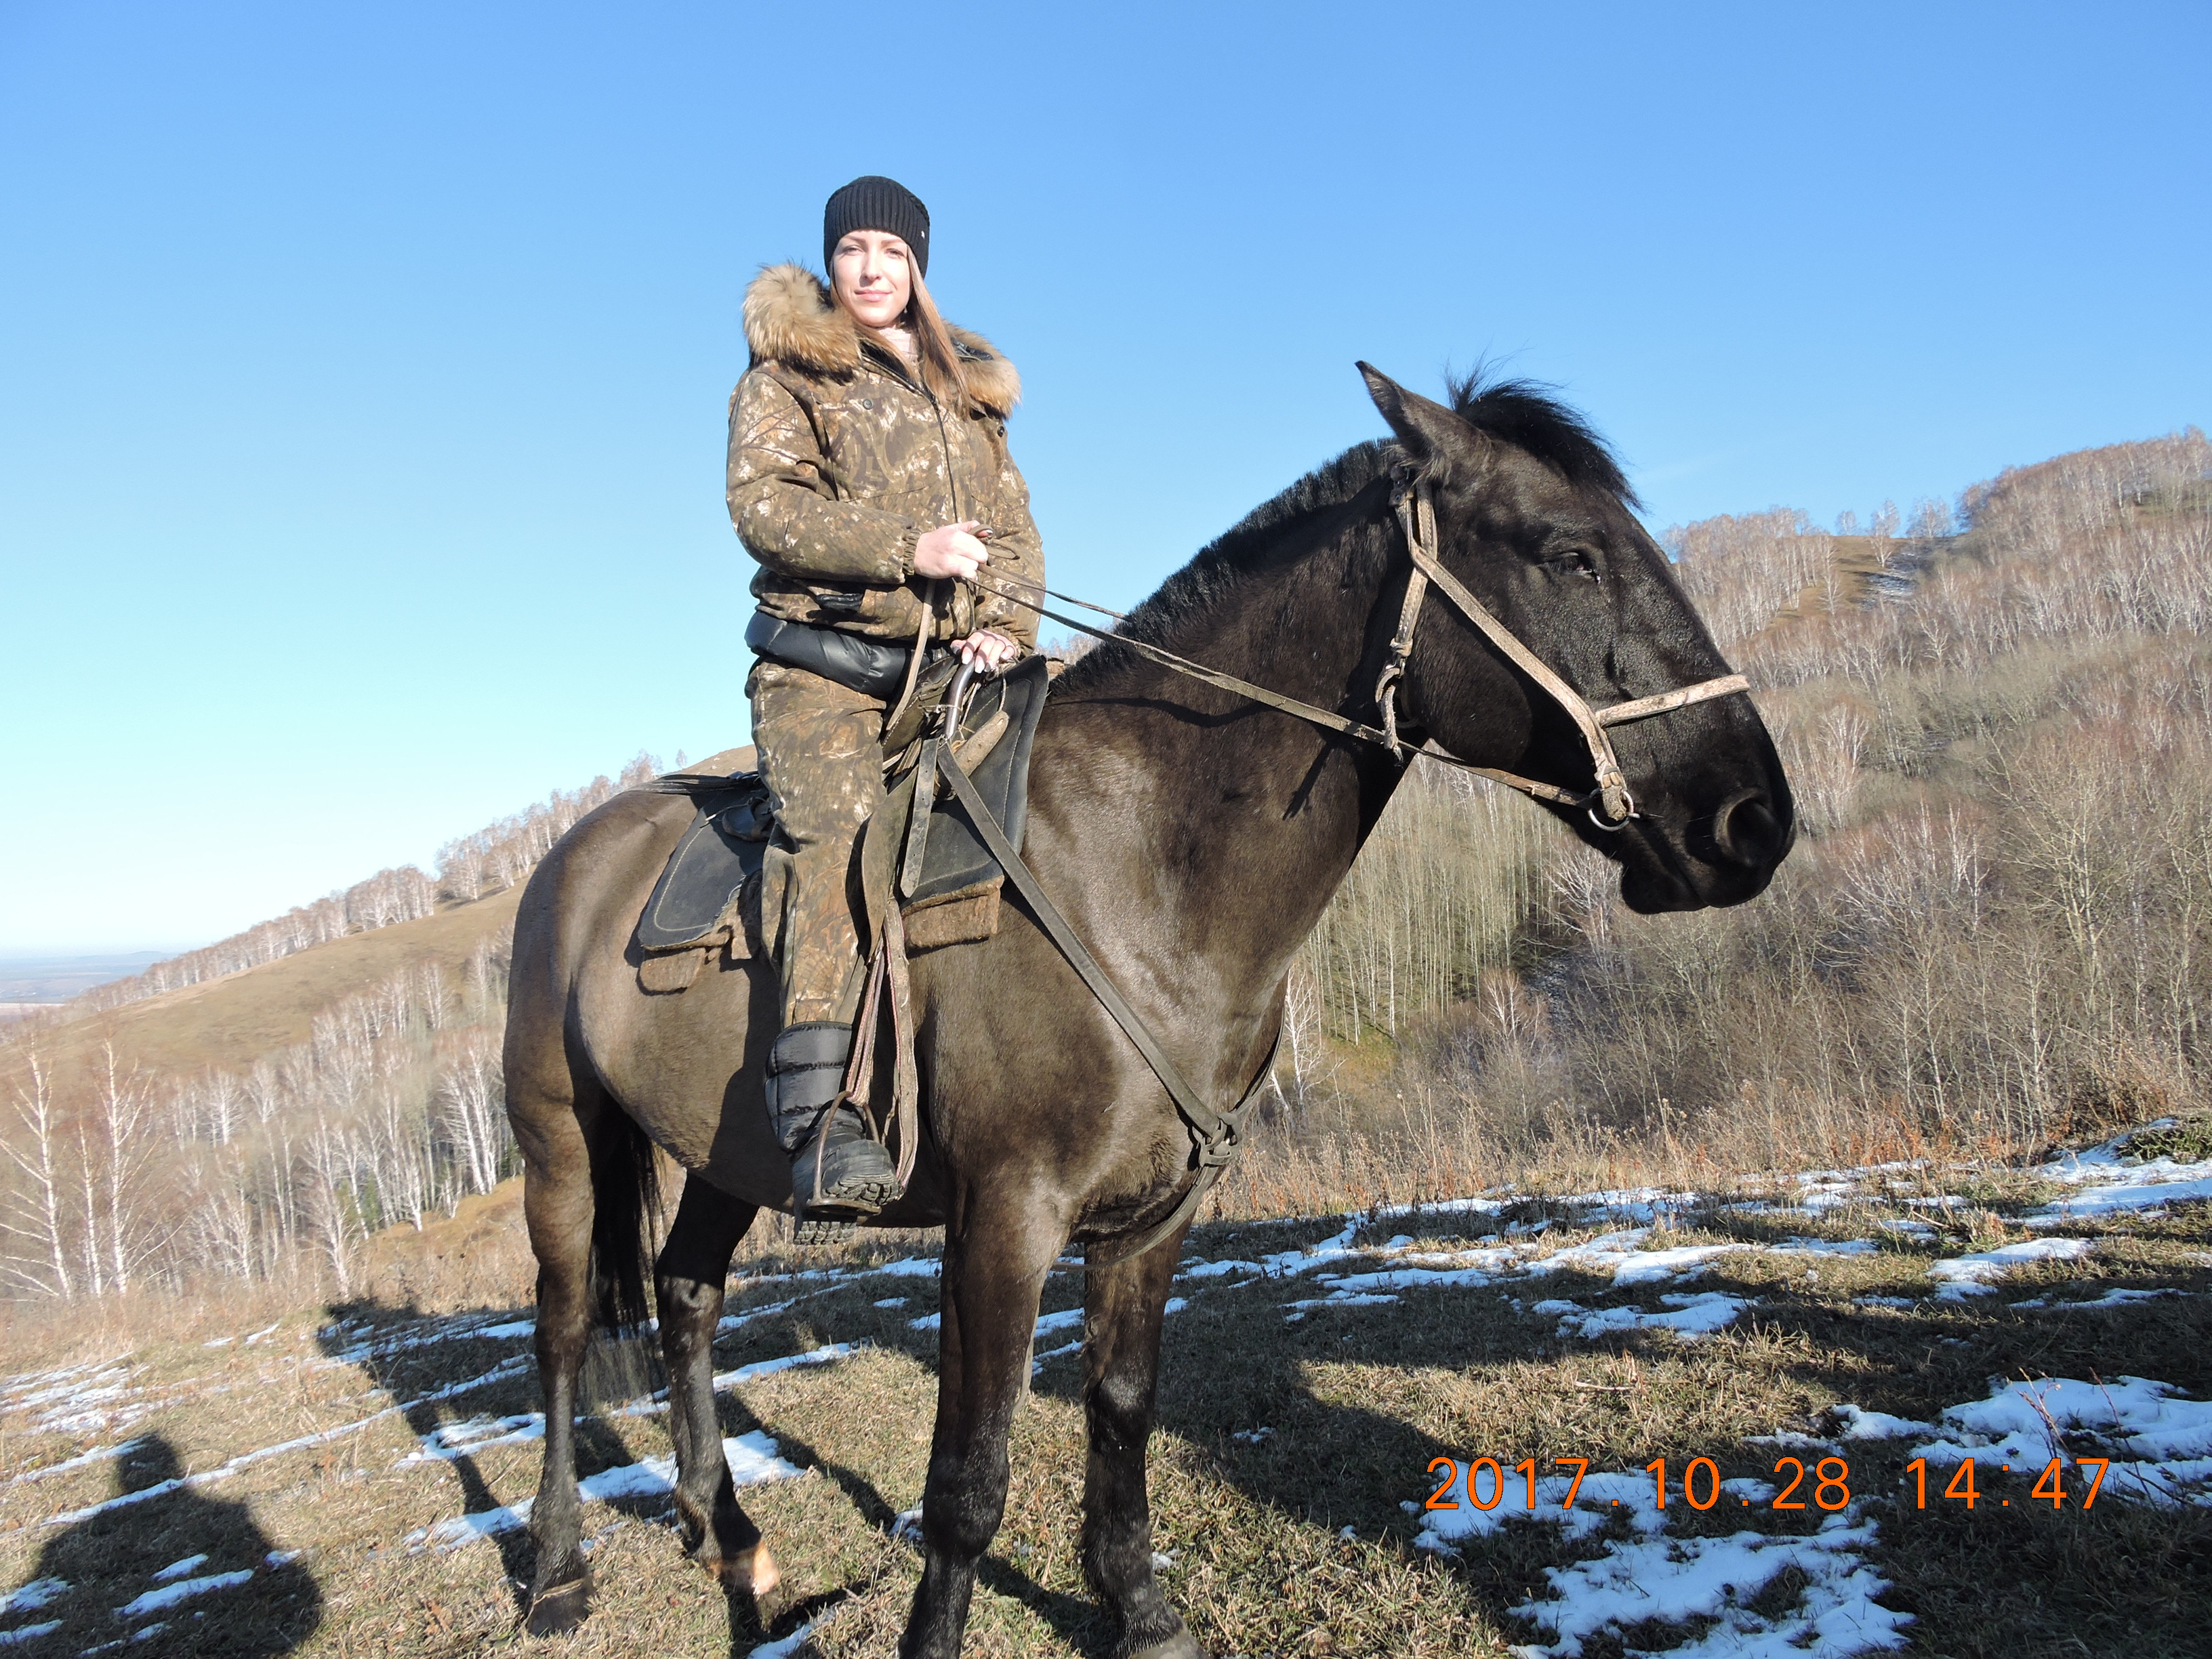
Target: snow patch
point(1961, 1276)
point(751, 1457)
point(1691, 1316)
point(1856, 1422)
point(29, 1598)
point(1678, 1578)
point(827, 1354)
point(97, 1455)
point(169, 1595)
point(2160, 1443)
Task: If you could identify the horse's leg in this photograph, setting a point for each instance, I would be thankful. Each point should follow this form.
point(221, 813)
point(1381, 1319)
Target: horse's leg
point(558, 1204)
point(1122, 1309)
point(995, 1272)
point(687, 1284)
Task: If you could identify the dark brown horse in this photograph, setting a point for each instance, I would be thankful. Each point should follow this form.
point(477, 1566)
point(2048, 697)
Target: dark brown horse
point(1193, 838)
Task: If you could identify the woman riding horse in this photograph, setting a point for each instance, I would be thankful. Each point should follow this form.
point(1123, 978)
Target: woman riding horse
point(867, 457)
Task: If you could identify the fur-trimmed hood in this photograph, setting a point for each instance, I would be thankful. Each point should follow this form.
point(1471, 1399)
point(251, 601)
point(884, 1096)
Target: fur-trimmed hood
point(790, 318)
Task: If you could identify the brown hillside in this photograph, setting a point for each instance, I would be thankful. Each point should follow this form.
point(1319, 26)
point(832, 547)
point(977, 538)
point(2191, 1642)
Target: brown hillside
point(231, 1022)
point(478, 1257)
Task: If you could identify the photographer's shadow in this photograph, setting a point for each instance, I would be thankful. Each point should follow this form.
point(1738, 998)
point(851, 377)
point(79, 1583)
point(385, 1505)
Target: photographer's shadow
point(173, 1572)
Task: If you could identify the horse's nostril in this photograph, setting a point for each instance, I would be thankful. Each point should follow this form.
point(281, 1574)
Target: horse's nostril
point(1746, 831)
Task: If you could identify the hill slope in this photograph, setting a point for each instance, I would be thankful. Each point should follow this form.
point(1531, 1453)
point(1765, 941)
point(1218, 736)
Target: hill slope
point(361, 1485)
point(229, 1023)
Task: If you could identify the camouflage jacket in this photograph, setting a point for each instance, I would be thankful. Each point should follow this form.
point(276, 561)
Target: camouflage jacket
point(840, 460)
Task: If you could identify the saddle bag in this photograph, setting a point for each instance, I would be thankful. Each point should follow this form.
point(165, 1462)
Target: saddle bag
point(874, 668)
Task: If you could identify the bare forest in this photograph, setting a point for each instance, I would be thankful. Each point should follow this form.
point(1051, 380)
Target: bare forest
point(1991, 937)
point(391, 1113)
point(1997, 716)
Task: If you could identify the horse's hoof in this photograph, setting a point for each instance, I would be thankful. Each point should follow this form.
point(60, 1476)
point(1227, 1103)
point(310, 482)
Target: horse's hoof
point(753, 1571)
point(557, 1611)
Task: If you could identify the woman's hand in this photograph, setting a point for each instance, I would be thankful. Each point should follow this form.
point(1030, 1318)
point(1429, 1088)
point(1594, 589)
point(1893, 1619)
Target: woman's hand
point(987, 650)
point(951, 549)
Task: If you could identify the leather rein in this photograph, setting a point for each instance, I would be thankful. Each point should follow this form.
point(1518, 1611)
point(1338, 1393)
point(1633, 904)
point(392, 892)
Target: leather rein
point(1216, 1137)
point(1417, 518)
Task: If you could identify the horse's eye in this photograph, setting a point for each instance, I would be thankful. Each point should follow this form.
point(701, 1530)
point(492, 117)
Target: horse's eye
point(1575, 562)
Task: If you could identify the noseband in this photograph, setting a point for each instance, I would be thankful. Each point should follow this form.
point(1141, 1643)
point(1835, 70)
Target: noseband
point(1416, 517)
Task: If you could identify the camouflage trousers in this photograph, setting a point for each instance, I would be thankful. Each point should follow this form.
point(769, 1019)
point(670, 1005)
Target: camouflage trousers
point(820, 748)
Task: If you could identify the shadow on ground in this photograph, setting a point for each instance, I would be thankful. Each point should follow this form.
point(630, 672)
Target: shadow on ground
point(178, 1571)
point(387, 1343)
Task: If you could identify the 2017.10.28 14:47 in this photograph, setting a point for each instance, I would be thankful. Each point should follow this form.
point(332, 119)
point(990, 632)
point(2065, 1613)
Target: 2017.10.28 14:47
point(1701, 1485)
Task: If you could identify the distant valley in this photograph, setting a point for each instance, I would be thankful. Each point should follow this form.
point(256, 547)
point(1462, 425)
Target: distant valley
point(37, 981)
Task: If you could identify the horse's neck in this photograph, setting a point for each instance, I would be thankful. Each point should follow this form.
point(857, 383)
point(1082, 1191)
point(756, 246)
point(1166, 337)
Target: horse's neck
point(1258, 814)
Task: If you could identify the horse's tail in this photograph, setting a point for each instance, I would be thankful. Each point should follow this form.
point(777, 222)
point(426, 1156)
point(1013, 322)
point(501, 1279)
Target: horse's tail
point(625, 1206)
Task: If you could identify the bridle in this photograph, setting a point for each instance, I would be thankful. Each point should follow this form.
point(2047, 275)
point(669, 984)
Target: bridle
point(1417, 518)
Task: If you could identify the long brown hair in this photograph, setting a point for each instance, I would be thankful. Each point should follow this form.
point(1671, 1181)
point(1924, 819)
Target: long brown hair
point(939, 357)
point(940, 360)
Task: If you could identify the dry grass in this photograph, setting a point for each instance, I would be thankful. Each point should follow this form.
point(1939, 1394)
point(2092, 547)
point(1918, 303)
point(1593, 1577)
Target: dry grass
point(1397, 1139)
point(230, 1023)
point(1359, 1398)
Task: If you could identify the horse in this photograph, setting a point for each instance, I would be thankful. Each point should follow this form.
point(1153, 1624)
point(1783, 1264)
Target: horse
point(1192, 835)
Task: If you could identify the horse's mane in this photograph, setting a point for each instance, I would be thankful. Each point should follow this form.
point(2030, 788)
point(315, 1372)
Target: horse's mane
point(1518, 412)
point(1524, 414)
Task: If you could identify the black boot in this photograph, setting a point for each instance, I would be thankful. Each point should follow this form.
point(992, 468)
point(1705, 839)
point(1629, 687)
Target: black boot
point(805, 1074)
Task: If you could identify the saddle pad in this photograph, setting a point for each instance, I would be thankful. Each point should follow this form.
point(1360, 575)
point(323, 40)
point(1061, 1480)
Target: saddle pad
point(727, 841)
point(955, 857)
point(718, 854)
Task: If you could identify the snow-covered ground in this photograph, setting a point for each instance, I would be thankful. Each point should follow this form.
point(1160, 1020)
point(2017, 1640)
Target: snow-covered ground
point(2110, 1180)
point(1652, 1569)
point(2129, 1438)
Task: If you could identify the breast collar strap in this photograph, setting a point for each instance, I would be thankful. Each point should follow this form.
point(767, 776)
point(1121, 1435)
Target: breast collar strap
point(1417, 517)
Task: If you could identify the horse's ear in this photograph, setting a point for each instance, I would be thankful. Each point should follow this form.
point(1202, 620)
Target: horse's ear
point(1433, 438)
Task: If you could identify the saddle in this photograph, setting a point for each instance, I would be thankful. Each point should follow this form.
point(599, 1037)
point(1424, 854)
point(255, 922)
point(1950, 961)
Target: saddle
point(709, 893)
point(933, 860)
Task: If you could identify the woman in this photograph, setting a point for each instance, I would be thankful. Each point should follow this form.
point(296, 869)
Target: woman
point(868, 466)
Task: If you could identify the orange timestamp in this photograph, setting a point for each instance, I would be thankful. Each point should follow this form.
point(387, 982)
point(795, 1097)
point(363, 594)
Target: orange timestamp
point(2049, 1486)
point(1825, 1485)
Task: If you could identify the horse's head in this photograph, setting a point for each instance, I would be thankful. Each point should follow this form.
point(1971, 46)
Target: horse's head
point(1532, 515)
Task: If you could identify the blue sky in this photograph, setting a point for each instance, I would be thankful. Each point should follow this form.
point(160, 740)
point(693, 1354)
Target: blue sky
point(362, 369)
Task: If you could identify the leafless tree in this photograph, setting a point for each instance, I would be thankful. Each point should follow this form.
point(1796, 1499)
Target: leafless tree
point(38, 1260)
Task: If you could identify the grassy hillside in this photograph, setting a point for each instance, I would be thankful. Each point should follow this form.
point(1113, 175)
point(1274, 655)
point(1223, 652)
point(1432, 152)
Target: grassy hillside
point(229, 1023)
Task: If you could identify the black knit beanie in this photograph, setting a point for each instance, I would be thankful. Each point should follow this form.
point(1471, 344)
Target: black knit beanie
point(876, 203)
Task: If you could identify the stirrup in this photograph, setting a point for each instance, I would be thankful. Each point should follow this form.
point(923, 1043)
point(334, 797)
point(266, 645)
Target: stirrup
point(843, 1174)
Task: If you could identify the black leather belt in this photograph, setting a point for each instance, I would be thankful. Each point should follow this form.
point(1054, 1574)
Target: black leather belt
point(874, 668)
